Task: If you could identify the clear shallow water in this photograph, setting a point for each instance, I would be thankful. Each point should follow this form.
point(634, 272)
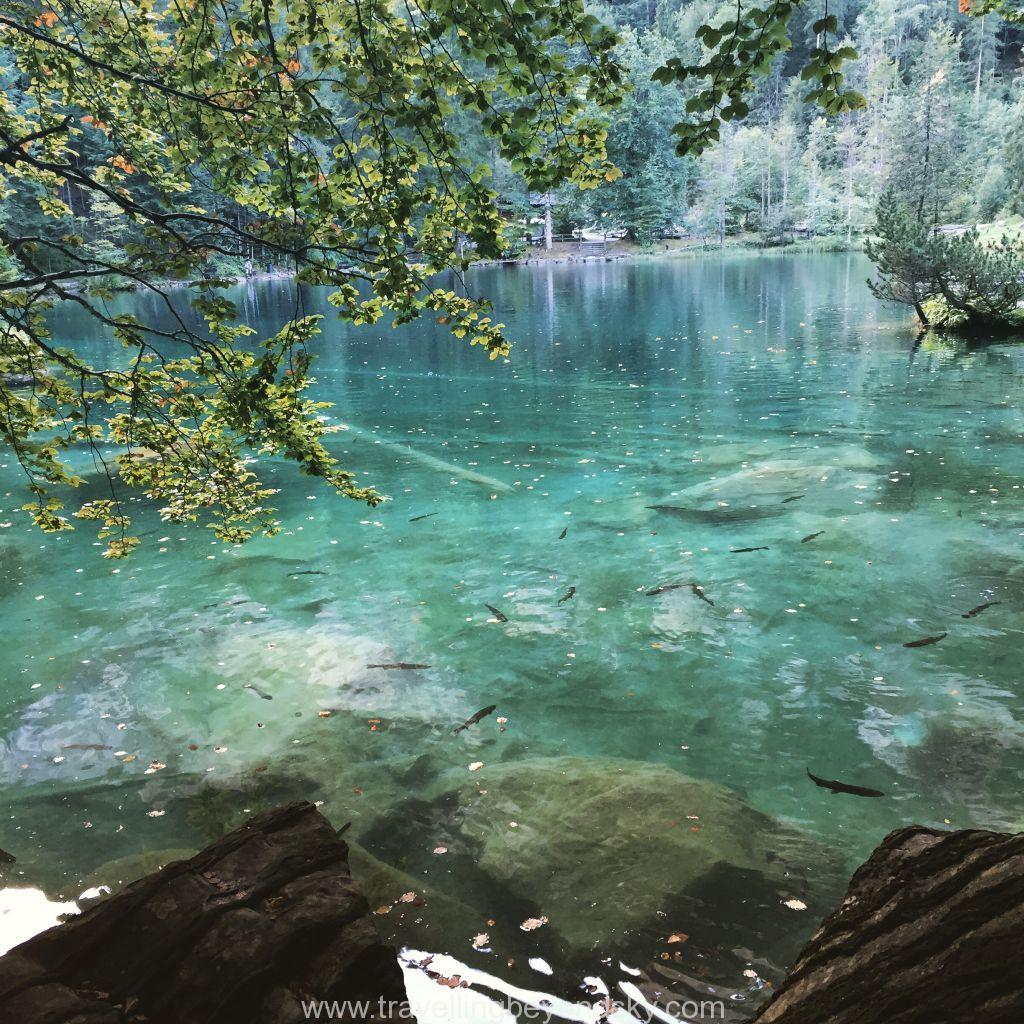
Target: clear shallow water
point(716, 389)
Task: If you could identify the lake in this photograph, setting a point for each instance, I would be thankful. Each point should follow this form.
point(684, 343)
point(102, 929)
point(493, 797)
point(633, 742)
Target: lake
point(712, 500)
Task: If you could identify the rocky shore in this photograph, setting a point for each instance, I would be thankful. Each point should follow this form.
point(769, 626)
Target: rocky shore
point(269, 918)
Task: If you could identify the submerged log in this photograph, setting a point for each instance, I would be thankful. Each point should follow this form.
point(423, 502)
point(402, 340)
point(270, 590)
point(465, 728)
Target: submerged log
point(929, 933)
point(245, 931)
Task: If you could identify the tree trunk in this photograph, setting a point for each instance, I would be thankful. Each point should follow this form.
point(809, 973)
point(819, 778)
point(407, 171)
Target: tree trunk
point(930, 932)
point(981, 55)
point(245, 931)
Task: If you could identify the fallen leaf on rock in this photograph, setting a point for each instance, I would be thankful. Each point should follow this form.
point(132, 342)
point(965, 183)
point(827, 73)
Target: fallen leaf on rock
point(455, 981)
point(531, 924)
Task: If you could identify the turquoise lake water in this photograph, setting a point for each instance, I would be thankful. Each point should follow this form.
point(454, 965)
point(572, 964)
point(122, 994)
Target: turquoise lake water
point(642, 781)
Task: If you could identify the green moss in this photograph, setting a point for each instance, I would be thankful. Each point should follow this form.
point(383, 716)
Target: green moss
point(943, 317)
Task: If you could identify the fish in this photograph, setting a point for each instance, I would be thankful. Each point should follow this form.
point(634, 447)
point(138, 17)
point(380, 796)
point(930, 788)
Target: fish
point(979, 609)
point(309, 572)
point(478, 717)
point(85, 746)
point(257, 691)
point(7, 858)
point(231, 602)
point(695, 587)
point(567, 595)
point(500, 616)
point(843, 787)
point(399, 664)
point(426, 515)
point(811, 536)
point(925, 640)
point(561, 536)
point(740, 551)
point(795, 497)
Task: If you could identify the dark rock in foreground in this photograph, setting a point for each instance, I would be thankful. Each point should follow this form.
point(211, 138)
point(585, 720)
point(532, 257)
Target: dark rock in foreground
point(929, 933)
point(245, 931)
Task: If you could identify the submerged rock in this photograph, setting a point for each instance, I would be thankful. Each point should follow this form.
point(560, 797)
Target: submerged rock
point(772, 480)
point(116, 874)
point(601, 846)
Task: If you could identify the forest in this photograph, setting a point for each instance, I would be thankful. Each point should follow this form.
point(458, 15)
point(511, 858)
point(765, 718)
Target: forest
point(942, 126)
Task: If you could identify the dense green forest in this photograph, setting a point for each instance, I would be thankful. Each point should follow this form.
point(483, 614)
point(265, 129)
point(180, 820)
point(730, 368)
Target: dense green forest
point(943, 126)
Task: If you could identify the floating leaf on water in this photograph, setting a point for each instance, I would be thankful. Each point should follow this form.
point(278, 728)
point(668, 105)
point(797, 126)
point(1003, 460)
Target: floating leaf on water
point(480, 941)
point(382, 910)
point(677, 937)
point(323, 714)
point(531, 924)
point(795, 904)
point(476, 766)
point(155, 814)
point(407, 897)
point(440, 849)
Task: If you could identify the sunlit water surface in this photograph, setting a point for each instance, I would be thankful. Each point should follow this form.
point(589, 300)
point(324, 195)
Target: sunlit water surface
point(641, 784)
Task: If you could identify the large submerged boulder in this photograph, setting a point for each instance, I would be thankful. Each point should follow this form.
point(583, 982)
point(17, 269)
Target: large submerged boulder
point(602, 846)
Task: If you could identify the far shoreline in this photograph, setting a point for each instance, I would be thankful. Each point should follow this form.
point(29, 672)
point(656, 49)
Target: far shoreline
point(619, 249)
point(567, 254)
